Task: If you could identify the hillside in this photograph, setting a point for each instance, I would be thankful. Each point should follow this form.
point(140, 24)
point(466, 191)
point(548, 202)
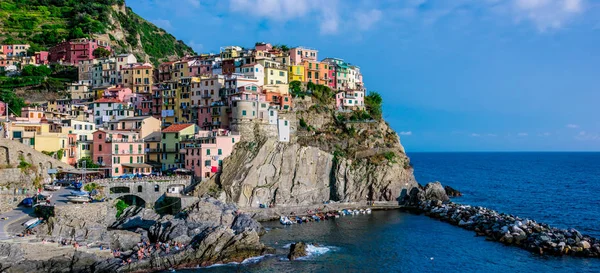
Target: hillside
point(44, 23)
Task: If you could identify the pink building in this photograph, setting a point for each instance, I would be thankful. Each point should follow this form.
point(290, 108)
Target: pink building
point(299, 54)
point(42, 57)
point(332, 77)
point(2, 108)
point(119, 153)
point(204, 153)
point(119, 93)
point(73, 51)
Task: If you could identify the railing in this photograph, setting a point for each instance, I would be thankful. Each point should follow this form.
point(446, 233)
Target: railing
point(128, 152)
point(122, 140)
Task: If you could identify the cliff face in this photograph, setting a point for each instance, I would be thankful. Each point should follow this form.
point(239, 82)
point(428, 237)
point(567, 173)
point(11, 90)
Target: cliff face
point(327, 159)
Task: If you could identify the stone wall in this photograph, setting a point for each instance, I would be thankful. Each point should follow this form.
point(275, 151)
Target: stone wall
point(11, 153)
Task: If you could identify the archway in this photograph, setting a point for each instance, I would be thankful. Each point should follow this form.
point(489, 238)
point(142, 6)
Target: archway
point(49, 164)
point(4, 156)
point(119, 190)
point(133, 200)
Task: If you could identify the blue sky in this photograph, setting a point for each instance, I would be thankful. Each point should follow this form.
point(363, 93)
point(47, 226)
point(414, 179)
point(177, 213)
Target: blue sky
point(456, 75)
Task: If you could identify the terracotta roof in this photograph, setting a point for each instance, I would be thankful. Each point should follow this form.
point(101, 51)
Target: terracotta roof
point(248, 65)
point(176, 128)
point(107, 100)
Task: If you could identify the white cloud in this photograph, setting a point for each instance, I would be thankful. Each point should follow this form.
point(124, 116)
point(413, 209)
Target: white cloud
point(366, 20)
point(522, 134)
point(547, 14)
point(583, 135)
point(572, 126)
point(475, 135)
point(163, 23)
point(544, 134)
point(492, 135)
point(406, 133)
point(193, 3)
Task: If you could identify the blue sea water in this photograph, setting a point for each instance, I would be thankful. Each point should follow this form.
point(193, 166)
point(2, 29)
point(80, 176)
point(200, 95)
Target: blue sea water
point(561, 189)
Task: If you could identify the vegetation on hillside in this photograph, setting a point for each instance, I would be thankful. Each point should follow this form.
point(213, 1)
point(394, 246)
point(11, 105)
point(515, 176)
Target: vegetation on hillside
point(45, 23)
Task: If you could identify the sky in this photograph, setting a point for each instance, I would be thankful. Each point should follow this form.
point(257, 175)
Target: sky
point(455, 75)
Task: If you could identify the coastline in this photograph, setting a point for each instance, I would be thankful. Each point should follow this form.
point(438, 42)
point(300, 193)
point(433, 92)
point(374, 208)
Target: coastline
point(271, 214)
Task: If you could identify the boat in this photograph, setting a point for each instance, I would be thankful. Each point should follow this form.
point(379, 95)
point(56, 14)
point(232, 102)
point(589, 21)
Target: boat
point(330, 215)
point(78, 198)
point(284, 220)
point(316, 218)
point(321, 216)
point(336, 215)
point(362, 211)
point(80, 193)
point(368, 211)
point(355, 212)
point(51, 187)
point(32, 223)
point(305, 219)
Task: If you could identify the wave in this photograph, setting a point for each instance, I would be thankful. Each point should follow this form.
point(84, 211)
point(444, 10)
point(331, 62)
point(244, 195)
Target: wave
point(251, 260)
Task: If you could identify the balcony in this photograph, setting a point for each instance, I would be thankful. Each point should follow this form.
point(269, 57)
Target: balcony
point(206, 96)
point(123, 140)
point(170, 150)
point(153, 150)
point(128, 152)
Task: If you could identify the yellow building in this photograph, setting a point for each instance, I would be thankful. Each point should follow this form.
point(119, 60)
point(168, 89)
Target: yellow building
point(275, 73)
point(138, 78)
point(183, 99)
point(296, 73)
point(80, 91)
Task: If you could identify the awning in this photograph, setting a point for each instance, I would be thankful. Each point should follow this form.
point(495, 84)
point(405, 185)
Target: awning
point(77, 171)
point(136, 165)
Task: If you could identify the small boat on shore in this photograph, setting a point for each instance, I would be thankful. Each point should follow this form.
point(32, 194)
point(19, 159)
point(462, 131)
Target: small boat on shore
point(362, 211)
point(368, 211)
point(284, 220)
point(32, 223)
point(355, 212)
point(316, 218)
point(78, 198)
point(52, 187)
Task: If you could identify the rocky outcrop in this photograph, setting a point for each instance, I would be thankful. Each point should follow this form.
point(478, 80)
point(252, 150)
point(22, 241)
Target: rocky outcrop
point(297, 250)
point(278, 174)
point(435, 191)
point(451, 192)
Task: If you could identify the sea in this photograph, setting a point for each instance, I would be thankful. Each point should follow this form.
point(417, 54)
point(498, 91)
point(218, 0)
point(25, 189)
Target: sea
point(561, 189)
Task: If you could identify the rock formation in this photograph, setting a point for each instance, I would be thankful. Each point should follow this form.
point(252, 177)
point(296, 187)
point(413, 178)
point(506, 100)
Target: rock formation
point(209, 232)
point(297, 250)
point(451, 192)
point(329, 159)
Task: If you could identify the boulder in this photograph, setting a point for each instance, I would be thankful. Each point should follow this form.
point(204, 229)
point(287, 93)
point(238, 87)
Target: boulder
point(297, 250)
point(136, 217)
point(451, 192)
point(122, 239)
point(435, 191)
point(584, 244)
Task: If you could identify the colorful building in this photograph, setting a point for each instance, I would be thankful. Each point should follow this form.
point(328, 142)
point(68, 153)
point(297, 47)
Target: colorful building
point(120, 153)
point(14, 50)
point(296, 73)
point(138, 77)
point(171, 144)
point(203, 153)
point(300, 54)
point(73, 51)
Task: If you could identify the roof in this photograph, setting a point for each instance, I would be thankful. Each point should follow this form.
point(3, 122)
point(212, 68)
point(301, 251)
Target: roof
point(176, 128)
point(249, 65)
point(154, 136)
point(134, 118)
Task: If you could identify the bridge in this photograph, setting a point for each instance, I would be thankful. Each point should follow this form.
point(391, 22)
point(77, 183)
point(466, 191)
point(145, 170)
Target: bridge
point(143, 192)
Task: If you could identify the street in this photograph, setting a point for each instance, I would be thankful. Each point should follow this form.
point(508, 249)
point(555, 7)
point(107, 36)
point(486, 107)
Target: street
point(23, 214)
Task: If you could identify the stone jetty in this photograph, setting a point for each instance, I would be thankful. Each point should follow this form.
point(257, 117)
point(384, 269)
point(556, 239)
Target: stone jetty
point(513, 230)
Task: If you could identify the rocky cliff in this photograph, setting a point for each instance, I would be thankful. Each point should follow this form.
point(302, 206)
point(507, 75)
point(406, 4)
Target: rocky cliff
point(331, 156)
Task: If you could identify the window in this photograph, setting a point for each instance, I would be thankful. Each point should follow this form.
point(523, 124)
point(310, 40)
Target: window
point(243, 113)
point(207, 163)
point(116, 170)
point(131, 159)
point(281, 74)
point(156, 188)
point(285, 123)
point(232, 140)
point(100, 148)
point(140, 189)
point(219, 152)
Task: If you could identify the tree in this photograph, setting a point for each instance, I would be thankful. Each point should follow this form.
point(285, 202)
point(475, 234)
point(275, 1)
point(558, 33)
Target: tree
point(373, 102)
point(77, 33)
point(32, 70)
point(15, 103)
point(284, 48)
point(101, 53)
point(88, 163)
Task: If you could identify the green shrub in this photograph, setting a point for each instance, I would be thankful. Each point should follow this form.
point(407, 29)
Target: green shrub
point(303, 123)
point(120, 206)
point(390, 156)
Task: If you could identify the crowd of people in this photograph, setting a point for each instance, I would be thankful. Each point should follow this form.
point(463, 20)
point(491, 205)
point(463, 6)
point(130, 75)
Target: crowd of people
point(145, 249)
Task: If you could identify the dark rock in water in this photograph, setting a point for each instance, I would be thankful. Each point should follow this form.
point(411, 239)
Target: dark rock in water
point(451, 192)
point(244, 222)
point(435, 191)
point(297, 250)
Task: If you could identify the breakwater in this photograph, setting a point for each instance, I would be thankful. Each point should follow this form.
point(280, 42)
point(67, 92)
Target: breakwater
point(513, 230)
